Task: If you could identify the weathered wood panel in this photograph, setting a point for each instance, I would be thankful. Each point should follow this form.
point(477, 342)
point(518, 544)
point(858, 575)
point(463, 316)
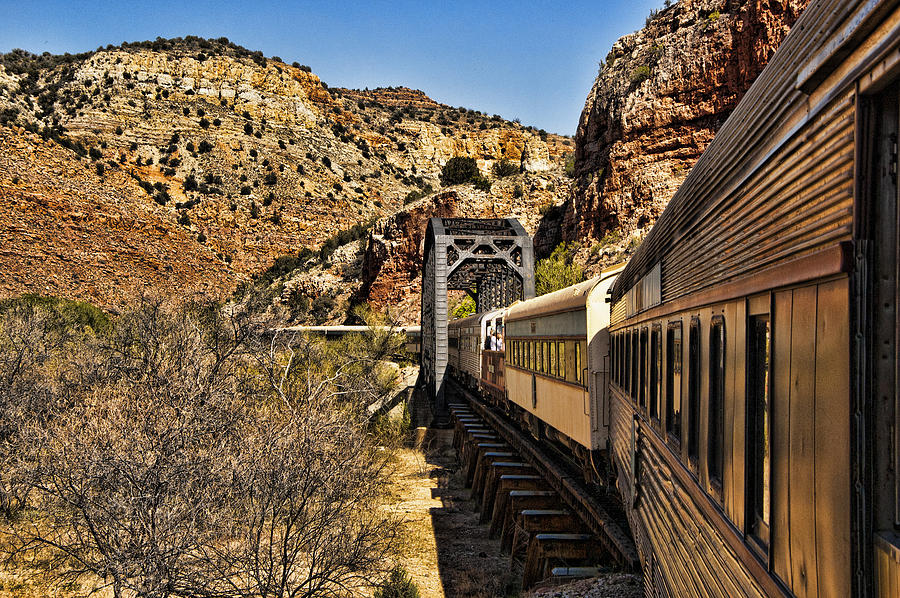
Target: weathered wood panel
point(833, 439)
point(781, 435)
point(802, 443)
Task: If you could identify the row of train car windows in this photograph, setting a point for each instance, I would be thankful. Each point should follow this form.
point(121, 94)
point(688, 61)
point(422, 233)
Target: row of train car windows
point(549, 358)
point(638, 369)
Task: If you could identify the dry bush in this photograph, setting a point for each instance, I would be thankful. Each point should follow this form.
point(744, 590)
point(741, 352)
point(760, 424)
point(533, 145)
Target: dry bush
point(184, 452)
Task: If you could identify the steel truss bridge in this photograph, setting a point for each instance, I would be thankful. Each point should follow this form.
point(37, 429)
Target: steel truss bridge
point(491, 259)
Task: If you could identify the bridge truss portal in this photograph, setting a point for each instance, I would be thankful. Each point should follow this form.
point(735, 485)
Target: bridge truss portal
point(491, 259)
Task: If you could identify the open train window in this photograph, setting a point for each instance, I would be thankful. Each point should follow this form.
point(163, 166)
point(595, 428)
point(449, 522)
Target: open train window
point(693, 436)
point(716, 429)
point(642, 380)
point(759, 343)
point(673, 384)
point(655, 367)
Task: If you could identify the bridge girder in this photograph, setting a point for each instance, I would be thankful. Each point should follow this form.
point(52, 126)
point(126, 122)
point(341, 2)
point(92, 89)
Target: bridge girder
point(491, 259)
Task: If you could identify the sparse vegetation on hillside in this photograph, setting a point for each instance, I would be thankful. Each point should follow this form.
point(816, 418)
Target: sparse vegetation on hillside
point(256, 183)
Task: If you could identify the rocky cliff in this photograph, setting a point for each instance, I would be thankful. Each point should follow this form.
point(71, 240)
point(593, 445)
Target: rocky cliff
point(658, 100)
point(245, 157)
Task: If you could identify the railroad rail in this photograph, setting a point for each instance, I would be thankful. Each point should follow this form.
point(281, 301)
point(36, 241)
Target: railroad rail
point(508, 470)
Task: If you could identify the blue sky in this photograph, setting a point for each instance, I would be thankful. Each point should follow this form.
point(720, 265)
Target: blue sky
point(534, 61)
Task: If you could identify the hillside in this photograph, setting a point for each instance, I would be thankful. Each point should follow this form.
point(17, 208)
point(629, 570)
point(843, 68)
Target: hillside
point(240, 157)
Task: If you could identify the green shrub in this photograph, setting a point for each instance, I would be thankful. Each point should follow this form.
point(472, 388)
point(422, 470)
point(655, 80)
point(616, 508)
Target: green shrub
point(78, 315)
point(398, 585)
point(640, 74)
point(557, 271)
point(570, 166)
point(465, 308)
point(482, 183)
point(459, 170)
point(504, 168)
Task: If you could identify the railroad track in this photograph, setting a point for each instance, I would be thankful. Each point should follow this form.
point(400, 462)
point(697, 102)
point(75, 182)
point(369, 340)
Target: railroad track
point(535, 501)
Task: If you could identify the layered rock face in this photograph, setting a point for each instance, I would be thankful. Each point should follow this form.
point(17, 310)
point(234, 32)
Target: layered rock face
point(658, 100)
point(247, 157)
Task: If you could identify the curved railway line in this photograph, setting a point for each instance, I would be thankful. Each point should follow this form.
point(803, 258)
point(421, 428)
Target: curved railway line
point(535, 499)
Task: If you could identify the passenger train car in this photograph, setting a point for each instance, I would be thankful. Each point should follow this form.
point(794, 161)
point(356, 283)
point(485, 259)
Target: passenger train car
point(752, 408)
point(545, 361)
point(755, 414)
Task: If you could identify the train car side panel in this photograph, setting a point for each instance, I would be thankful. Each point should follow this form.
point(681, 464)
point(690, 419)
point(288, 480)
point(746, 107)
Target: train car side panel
point(833, 439)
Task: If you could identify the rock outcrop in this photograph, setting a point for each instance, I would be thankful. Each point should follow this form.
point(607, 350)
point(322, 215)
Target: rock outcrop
point(660, 96)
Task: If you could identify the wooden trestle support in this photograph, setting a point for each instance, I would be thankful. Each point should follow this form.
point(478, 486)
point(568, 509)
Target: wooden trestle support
point(525, 508)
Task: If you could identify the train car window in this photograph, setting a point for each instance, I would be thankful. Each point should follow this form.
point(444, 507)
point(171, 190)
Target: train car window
point(561, 350)
point(626, 367)
point(655, 367)
point(693, 436)
point(614, 362)
point(758, 431)
point(527, 362)
point(547, 360)
point(716, 429)
point(553, 364)
point(635, 360)
point(642, 380)
point(576, 357)
point(584, 363)
point(542, 365)
point(673, 383)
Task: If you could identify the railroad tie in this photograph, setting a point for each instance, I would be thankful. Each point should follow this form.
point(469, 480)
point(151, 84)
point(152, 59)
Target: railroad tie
point(477, 453)
point(492, 476)
point(530, 522)
point(471, 439)
point(463, 432)
point(483, 466)
point(521, 500)
point(506, 484)
point(463, 426)
point(548, 546)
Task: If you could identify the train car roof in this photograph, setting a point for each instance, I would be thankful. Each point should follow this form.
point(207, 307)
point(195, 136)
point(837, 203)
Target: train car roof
point(474, 318)
point(809, 53)
point(567, 299)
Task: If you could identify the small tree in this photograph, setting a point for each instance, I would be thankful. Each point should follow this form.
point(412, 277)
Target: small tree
point(504, 168)
point(557, 271)
point(398, 585)
point(459, 170)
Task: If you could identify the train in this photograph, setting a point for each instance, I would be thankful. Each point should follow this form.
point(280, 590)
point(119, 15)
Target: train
point(740, 376)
